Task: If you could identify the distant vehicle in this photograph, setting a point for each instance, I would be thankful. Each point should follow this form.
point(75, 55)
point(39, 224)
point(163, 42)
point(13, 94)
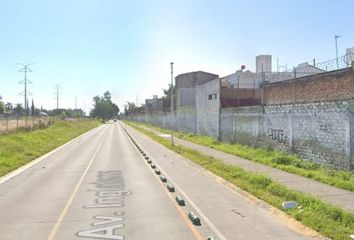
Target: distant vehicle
point(43, 114)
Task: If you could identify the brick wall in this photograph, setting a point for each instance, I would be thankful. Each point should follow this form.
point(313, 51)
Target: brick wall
point(329, 86)
point(312, 116)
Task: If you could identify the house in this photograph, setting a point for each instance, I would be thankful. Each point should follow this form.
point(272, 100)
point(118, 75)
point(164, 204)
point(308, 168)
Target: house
point(153, 105)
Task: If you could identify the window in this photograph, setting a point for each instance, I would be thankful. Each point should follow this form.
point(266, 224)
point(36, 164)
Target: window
point(212, 96)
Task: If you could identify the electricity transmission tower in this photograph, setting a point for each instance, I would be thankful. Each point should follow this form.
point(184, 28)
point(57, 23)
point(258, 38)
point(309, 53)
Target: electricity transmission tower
point(25, 81)
point(57, 92)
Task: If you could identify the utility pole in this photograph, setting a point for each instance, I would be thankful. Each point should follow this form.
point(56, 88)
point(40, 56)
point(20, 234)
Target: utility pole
point(84, 110)
point(277, 65)
point(336, 43)
point(262, 93)
point(75, 102)
point(172, 112)
point(57, 96)
point(57, 93)
point(25, 81)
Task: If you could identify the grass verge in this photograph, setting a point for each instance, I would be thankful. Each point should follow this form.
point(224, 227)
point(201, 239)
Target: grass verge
point(327, 219)
point(20, 148)
point(278, 159)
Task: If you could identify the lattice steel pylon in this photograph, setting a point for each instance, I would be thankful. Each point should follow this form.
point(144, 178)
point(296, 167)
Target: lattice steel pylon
point(25, 82)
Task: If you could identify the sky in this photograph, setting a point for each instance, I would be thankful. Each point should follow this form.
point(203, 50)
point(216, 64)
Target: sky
point(90, 46)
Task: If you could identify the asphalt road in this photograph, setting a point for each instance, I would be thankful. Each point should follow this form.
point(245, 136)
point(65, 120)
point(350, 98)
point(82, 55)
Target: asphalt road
point(100, 187)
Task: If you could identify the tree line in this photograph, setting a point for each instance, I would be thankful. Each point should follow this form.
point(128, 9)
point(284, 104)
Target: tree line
point(103, 108)
point(131, 108)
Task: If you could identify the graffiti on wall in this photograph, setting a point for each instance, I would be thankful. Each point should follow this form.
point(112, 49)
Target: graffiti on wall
point(326, 128)
point(277, 134)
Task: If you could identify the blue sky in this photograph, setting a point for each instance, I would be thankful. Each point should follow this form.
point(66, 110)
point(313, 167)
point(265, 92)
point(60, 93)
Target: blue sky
point(90, 46)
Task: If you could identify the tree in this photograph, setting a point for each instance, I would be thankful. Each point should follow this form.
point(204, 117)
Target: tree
point(32, 108)
point(8, 107)
point(130, 108)
point(103, 107)
point(167, 92)
point(27, 111)
point(166, 98)
point(107, 95)
point(2, 107)
point(19, 110)
point(64, 113)
point(74, 113)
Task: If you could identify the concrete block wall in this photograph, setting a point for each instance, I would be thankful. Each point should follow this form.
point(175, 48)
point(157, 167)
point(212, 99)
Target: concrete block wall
point(322, 133)
point(241, 124)
point(312, 116)
point(186, 119)
point(186, 97)
point(159, 119)
point(227, 124)
point(207, 108)
point(319, 132)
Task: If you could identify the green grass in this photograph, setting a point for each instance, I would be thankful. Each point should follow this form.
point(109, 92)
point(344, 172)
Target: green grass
point(274, 158)
point(20, 148)
point(327, 219)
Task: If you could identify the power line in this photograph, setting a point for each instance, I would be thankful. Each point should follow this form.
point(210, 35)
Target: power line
point(8, 69)
point(7, 65)
point(25, 81)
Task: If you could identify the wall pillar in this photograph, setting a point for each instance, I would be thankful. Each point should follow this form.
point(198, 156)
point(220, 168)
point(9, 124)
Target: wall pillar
point(350, 140)
point(291, 127)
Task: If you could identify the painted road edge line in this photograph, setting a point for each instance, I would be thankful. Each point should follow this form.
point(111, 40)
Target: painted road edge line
point(197, 209)
point(282, 216)
point(76, 189)
point(208, 222)
point(179, 209)
point(28, 165)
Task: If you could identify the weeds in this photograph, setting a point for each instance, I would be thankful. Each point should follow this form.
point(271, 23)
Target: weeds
point(19, 148)
point(327, 219)
point(274, 158)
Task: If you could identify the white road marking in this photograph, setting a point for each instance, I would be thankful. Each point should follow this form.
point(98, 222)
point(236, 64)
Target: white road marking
point(103, 233)
point(41, 158)
point(76, 189)
point(107, 220)
point(197, 209)
point(204, 217)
